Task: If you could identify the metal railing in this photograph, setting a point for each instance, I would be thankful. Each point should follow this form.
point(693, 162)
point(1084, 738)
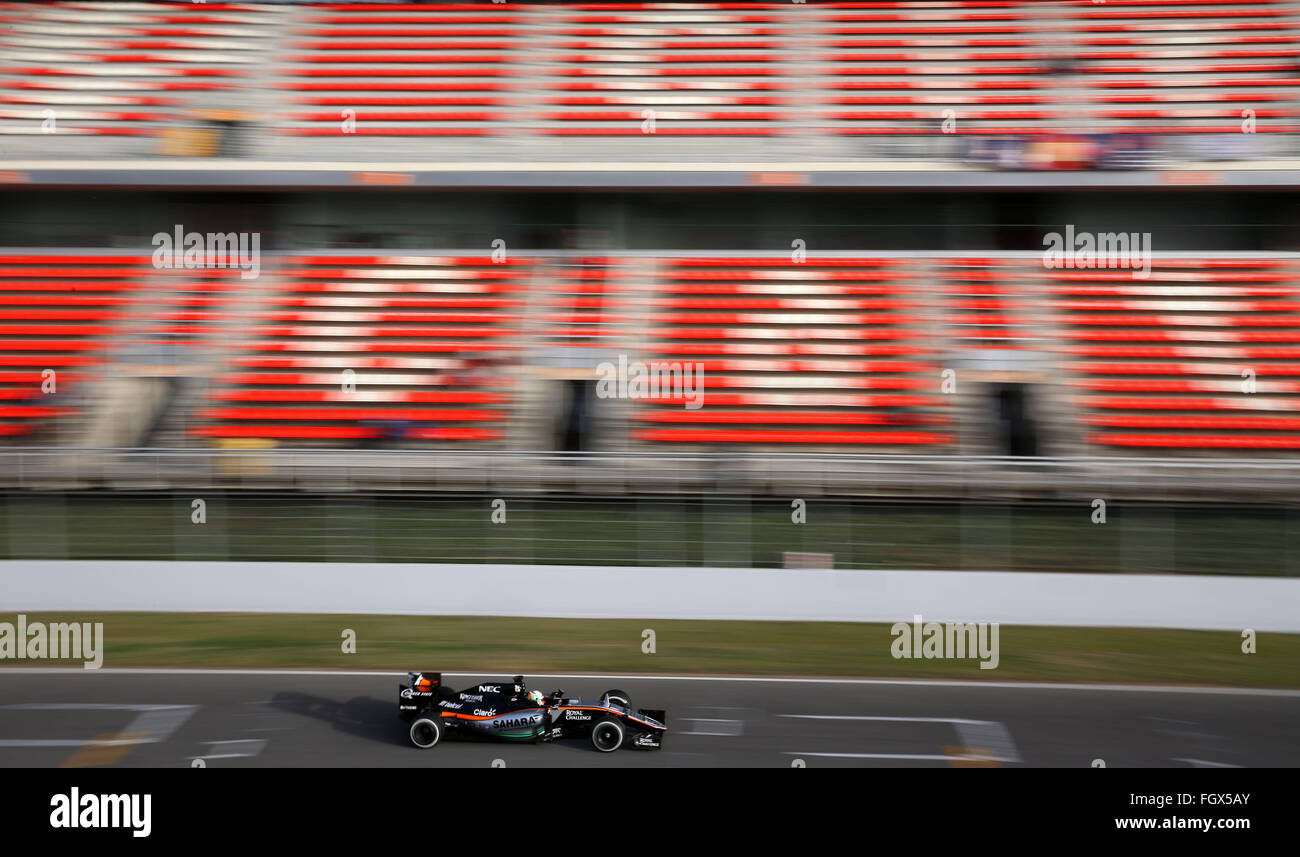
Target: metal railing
point(729, 472)
point(708, 530)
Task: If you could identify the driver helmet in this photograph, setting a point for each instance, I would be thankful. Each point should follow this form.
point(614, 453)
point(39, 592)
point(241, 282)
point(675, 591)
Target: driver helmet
point(536, 697)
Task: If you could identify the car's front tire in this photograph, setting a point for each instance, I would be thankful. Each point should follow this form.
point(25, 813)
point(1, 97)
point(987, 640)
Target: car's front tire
point(426, 732)
point(607, 735)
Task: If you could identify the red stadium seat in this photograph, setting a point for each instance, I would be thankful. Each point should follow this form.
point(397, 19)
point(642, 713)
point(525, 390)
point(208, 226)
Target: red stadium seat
point(1203, 354)
point(779, 342)
point(59, 313)
point(378, 317)
point(1225, 327)
point(127, 70)
point(849, 76)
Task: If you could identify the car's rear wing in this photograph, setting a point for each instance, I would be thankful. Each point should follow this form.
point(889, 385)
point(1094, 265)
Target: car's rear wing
point(418, 693)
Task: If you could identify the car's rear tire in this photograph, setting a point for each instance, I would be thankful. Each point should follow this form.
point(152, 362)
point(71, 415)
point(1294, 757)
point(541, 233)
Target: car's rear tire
point(426, 732)
point(618, 696)
point(607, 735)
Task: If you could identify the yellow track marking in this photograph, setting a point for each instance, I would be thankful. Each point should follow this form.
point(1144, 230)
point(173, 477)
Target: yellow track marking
point(970, 757)
point(94, 755)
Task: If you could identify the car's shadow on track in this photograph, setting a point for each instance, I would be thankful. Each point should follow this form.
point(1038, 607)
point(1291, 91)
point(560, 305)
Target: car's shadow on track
point(363, 716)
point(375, 720)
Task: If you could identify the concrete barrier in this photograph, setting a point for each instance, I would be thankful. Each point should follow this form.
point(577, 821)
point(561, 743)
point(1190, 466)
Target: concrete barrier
point(1012, 598)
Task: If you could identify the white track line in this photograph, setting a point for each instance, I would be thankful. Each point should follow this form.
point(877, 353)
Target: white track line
point(258, 744)
point(920, 757)
point(890, 719)
point(717, 727)
point(987, 734)
point(1201, 763)
point(155, 723)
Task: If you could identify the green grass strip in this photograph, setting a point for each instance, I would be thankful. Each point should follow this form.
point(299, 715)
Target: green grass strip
point(503, 646)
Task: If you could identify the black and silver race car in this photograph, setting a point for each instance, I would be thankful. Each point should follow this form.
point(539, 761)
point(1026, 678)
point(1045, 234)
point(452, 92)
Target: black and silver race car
point(509, 711)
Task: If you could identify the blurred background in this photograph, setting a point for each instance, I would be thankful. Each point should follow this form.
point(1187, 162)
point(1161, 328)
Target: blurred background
point(837, 210)
point(449, 221)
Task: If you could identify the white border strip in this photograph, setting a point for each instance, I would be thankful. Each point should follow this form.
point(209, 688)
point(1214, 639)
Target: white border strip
point(1211, 602)
point(1006, 685)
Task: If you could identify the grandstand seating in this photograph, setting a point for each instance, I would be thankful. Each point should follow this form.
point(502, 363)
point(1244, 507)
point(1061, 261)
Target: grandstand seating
point(413, 79)
point(989, 303)
point(584, 308)
point(836, 351)
point(1189, 67)
point(695, 71)
point(896, 71)
point(129, 70)
point(1205, 354)
point(1025, 69)
point(76, 313)
point(59, 313)
point(401, 70)
point(353, 348)
point(831, 352)
point(341, 348)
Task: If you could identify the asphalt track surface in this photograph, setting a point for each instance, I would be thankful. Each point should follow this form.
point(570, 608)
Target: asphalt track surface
point(160, 719)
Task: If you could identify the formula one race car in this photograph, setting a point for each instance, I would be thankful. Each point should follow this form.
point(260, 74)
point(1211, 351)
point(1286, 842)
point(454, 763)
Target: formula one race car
point(509, 711)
